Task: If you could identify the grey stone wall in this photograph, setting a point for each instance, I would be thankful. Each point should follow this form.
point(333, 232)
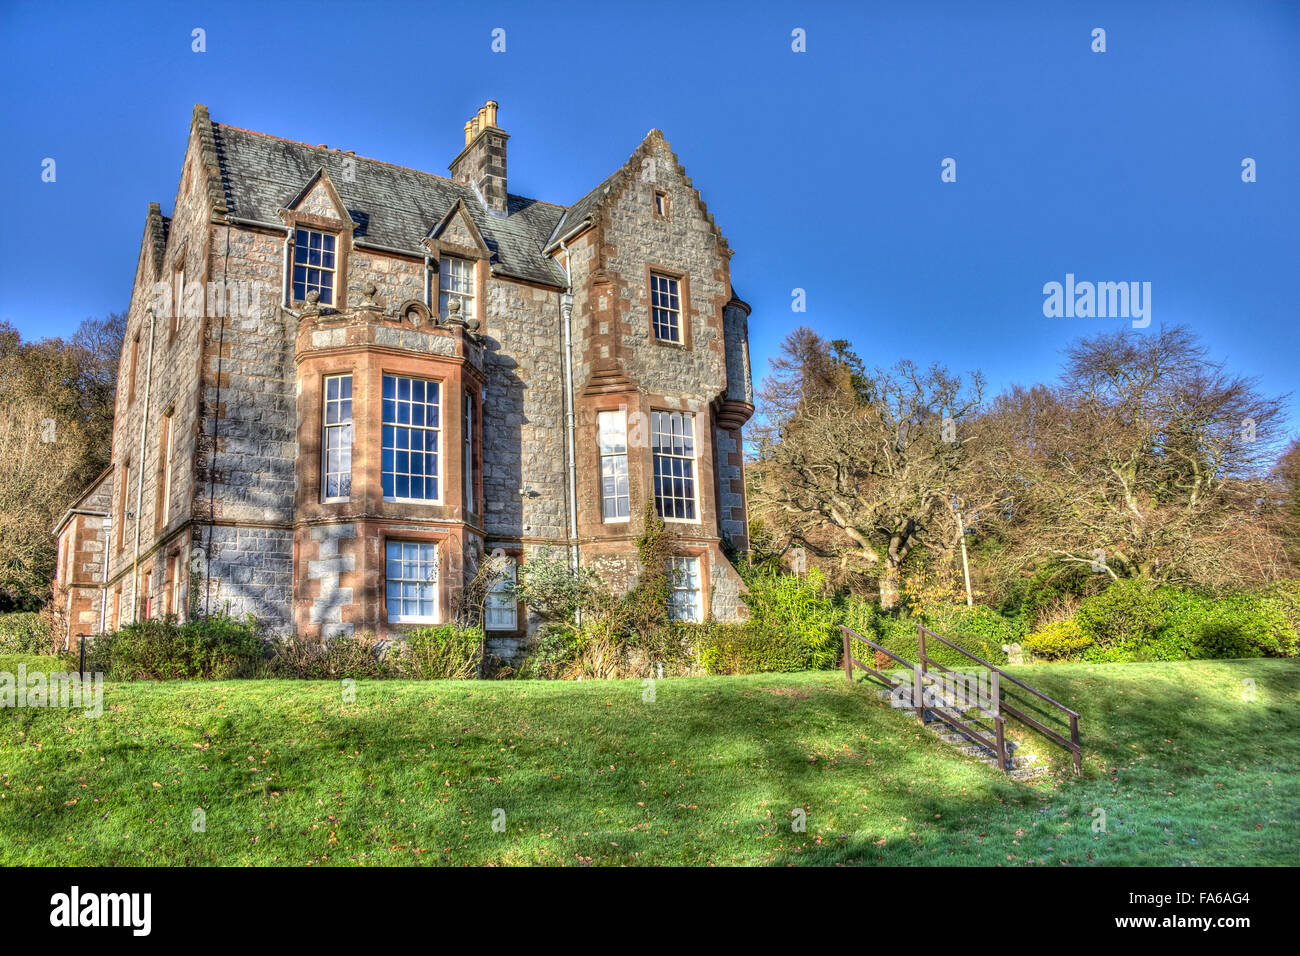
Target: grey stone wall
point(523, 414)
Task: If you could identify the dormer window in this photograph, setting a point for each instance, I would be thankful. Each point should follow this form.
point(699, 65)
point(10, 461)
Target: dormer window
point(314, 267)
point(456, 282)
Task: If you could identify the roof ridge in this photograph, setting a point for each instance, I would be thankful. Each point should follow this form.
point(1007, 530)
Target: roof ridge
point(369, 159)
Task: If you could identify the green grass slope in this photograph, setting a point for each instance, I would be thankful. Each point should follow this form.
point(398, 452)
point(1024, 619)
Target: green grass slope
point(702, 771)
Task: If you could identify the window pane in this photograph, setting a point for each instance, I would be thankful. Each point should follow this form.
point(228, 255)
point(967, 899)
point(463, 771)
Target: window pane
point(409, 459)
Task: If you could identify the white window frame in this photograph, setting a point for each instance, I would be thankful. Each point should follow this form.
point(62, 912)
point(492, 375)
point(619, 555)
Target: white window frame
point(672, 292)
point(613, 424)
point(426, 555)
point(344, 428)
point(330, 272)
point(169, 424)
point(177, 610)
point(467, 453)
point(501, 608)
point(178, 294)
point(691, 460)
point(437, 432)
point(457, 278)
point(685, 567)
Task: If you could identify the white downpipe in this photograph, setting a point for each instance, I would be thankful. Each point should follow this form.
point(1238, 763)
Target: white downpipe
point(139, 478)
point(566, 312)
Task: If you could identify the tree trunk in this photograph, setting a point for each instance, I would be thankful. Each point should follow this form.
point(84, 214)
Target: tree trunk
point(889, 596)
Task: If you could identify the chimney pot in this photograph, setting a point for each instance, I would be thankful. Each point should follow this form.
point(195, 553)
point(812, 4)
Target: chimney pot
point(482, 163)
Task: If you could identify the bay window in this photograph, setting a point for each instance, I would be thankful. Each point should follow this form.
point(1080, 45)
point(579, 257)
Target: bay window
point(336, 446)
point(611, 432)
point(411, 439)
point(412, 582)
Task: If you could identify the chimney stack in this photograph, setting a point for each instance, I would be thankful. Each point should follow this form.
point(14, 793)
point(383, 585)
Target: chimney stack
point(482, 163)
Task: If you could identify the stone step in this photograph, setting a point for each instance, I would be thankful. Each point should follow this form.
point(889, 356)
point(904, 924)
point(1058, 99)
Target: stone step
point(1020, 766)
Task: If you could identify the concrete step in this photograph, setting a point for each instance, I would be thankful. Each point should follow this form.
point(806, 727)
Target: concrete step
point(1020, 766)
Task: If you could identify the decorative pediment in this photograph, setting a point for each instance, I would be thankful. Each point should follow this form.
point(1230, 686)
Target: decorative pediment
point(318, 200)
point(457, 230)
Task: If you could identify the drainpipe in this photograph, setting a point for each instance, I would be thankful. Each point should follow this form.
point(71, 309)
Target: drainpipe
point(428, 281)
point(139, 478)
point(566, 311)
point(286, 272)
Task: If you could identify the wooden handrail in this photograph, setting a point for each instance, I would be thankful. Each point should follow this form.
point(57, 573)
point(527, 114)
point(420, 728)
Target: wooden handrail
point(1073, 744)
point(994, 667)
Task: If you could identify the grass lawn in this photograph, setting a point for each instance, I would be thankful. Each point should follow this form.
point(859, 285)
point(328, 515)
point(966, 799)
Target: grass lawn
point(709, 772)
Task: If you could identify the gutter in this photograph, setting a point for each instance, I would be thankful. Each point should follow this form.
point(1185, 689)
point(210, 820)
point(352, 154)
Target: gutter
point(72, 512)
point(562, 242)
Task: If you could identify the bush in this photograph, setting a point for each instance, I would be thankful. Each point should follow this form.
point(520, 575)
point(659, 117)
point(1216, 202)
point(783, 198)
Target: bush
point(899, 634)
point(1127, 612)
point(551, 655)
point(978, 625)
point(440, 653)
point(217, 648)
point(1059, 641)
point(357, 656)
point(795, 605)
point(750, 649)
point(25, 632)
point(1134, 621)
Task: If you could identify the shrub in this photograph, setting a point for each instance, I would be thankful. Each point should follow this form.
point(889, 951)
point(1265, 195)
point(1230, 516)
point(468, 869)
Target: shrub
point(216, 648)
point(977, 623)
point(858, 615)
point(556, 591)
point(751, 649)
point(446, 652)
point(1059, 641)
point(551, 655)
point(1234, 625)
point(357, 656)
point(795, 605)
point(900, 636)
point(25, 632)
point(1127, 612)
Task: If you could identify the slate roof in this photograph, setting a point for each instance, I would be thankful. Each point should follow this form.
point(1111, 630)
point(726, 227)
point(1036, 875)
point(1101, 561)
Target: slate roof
point(580, 210)
point(391, 205)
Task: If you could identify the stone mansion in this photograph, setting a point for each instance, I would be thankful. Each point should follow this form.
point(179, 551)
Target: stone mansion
point(343, 381)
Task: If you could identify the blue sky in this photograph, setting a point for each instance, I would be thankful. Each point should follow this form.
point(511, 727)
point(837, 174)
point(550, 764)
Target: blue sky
point(822, 168)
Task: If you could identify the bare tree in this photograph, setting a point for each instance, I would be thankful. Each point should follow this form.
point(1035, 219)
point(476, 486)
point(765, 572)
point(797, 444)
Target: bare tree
point(861, 467)
point(1148, 460)
point(56, 414)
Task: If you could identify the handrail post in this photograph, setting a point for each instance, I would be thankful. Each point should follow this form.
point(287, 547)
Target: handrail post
point(920, 644)
point(1074, 739)
point(995, 691)
point(848, 656)
point(918, 693)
